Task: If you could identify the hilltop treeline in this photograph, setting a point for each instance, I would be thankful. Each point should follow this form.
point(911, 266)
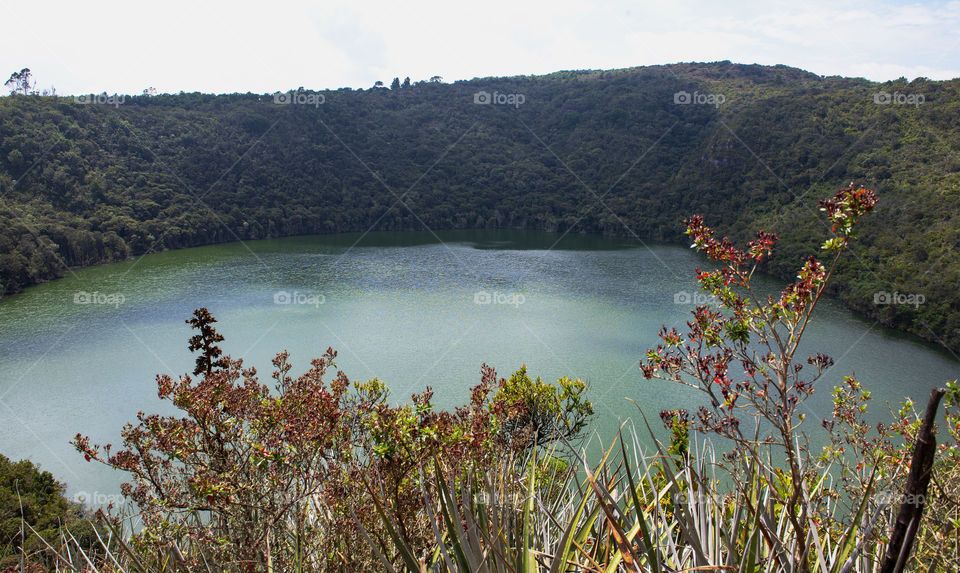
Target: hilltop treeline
point(615, 152)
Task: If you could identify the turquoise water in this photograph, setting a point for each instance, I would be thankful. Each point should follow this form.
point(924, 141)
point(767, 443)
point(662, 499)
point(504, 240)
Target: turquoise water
point(414, 309)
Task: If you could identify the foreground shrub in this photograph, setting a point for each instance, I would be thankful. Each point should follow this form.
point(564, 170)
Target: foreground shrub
point(742, 357)
point(252, 477)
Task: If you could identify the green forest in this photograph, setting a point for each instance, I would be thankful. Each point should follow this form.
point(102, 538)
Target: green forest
point(627, 152)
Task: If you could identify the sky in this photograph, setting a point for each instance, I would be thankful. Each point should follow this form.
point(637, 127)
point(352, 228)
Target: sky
point(218, 46)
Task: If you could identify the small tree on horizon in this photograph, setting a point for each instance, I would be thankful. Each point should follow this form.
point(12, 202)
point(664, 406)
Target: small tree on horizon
point(20, 82)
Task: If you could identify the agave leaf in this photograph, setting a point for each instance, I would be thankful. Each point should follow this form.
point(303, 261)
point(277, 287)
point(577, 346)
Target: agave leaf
point(473, 531)
point(527, 562)
point(451, 517)
point(752, 547)
point(652, 558)
point(106, 545)
point(126, 548)
point(614, 563)
point(614, 516)
point(406, 554)
point(686, 527)
point(581, 538)
point(373, 546)
point(428, 506)
point(562, 555)
point(848, 541)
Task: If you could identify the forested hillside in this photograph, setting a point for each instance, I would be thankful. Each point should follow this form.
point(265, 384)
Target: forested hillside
point(616, 152)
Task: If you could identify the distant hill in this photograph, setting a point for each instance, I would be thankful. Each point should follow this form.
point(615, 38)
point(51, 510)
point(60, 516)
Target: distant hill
point(623, 152)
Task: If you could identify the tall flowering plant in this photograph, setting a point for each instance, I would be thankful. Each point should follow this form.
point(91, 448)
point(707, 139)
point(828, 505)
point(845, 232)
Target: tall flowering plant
point(742, 357)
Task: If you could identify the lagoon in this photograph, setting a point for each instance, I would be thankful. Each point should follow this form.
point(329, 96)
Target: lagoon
point(414, 309)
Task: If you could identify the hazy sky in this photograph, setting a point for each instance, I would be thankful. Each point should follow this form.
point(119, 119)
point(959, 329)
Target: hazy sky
point(228, 46)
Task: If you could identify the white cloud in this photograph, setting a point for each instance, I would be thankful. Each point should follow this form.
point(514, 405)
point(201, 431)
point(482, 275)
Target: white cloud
point(221, 46)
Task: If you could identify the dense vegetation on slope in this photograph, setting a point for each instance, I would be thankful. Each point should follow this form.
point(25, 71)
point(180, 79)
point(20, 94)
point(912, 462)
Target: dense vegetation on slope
point(33, 512)
point(593, 151)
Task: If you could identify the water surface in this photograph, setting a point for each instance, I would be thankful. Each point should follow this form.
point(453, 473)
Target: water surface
point(414, 309)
